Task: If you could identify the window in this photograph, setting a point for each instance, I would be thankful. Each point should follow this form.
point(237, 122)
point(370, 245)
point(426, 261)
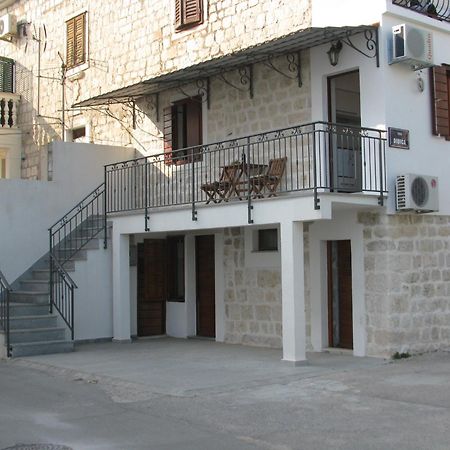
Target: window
point(2, 167)
point(267, 240)
point(175, 248)
point(6, 74)
point(76, 41)
point(188, 13)
point(441, 100)
point(183, 131)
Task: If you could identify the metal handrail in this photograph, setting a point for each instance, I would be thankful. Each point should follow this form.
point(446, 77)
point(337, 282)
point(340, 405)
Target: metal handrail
point(5, 292)
point(62, 293)
point(207, 147)
point(183, 177)
point(67, 236)
point(437, 9)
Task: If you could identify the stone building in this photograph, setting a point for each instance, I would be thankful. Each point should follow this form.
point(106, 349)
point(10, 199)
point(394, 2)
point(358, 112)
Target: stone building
point(282, 182)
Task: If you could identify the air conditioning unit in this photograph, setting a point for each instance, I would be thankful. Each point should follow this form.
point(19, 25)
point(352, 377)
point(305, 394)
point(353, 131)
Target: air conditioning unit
point(8, 27)
point(412, 46)
point(418, 193)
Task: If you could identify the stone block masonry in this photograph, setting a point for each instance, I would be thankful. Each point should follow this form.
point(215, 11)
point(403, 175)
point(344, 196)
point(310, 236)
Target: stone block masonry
point(407, 277)
point(130, 41)
point(253, 296)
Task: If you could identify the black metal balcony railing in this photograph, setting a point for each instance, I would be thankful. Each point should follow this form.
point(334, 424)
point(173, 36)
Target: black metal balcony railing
point(437, 9)
point(318, 157)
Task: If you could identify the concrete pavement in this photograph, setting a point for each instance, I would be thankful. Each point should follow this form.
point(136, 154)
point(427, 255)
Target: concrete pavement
point(177, 394)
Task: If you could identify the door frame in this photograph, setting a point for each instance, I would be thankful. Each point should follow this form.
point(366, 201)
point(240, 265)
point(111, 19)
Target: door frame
point(344, 226)
point(332, 139)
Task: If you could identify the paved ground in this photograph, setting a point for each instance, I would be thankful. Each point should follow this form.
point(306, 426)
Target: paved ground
point(177, 394)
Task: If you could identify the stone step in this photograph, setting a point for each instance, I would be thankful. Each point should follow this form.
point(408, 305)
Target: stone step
point(37, 335)
point(44, 274)
point(30, 297)
point(28, 309)
point(28, 322)
point(41, 348)
point(34, 285)
point(75, 242)
point(71, 252)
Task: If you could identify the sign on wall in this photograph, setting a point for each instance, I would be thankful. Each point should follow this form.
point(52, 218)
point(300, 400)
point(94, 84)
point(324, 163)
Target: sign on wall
point(398, 138)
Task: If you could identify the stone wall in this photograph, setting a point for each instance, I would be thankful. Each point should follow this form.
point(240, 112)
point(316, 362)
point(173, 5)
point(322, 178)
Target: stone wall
point(253, 296)
point(407, 266)
point(129, 41)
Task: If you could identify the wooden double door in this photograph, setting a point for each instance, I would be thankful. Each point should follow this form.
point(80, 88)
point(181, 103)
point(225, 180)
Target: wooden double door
point(155, 279)
point(340, 303)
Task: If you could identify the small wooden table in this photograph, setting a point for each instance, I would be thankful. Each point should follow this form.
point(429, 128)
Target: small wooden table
point(239, 173)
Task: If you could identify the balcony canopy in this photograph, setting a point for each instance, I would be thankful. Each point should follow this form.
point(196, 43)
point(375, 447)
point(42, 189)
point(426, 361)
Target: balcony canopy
point(289, 44)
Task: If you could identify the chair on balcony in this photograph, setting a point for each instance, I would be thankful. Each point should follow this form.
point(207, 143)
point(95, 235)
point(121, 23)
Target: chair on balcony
point(270, 180)
point(216, 191)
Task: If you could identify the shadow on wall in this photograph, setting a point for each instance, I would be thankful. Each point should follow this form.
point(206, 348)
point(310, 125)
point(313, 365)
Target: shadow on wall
point(37, 131)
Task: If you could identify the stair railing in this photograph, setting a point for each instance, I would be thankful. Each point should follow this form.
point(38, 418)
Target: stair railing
point(62, 293)
point(5, 291)
point(67, 237)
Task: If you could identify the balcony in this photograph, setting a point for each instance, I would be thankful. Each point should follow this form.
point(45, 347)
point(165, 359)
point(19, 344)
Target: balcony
point(8, 110)
point(437, 9)
point(313, 158)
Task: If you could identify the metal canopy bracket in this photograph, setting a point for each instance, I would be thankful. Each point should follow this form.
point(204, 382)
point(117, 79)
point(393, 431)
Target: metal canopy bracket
point(294, 67)
point(372, 44)
point(245, 79)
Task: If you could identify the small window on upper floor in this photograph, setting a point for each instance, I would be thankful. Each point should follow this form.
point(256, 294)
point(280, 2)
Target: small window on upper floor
point(188, 13)
point(76, 42)
point(441, 100)
point(6, 74)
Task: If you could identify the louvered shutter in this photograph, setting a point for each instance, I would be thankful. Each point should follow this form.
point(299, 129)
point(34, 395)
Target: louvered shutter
point(440, 90)
point(167, 130)
point(6, 75)
point(70, 46)
point(80, 39)
point(192, 12)
point(178, 14)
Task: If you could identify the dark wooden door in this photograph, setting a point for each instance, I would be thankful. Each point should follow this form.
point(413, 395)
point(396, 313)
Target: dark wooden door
point(206, 300)
point(340, 309)
point(151, 288)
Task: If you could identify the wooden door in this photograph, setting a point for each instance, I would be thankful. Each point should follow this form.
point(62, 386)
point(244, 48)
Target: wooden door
point(206, 301)
point(340, 309)
point(151, 288)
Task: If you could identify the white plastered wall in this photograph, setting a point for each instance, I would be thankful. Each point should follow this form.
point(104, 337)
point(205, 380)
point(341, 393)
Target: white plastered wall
point(344, 226)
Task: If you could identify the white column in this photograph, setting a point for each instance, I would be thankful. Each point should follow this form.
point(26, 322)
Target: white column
point(293, 292)
point(220, 289)
point(121, 288)
point(190, 285)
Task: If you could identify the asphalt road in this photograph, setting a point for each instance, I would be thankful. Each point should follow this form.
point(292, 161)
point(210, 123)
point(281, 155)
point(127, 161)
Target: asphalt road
point(399, 405)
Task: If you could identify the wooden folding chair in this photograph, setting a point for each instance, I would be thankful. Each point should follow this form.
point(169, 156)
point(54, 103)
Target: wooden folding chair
point(270, 180)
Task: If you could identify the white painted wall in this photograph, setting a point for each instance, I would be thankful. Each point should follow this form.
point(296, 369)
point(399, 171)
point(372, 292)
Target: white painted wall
point(390, 98)
point(332, 13)
point(93, 298)
point(28, 208)
point(343, 227)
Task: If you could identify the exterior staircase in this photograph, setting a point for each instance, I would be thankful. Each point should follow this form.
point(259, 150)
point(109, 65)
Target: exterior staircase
point(33, 329)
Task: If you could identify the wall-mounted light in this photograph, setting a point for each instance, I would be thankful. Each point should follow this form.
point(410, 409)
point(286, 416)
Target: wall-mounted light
point(333, 53)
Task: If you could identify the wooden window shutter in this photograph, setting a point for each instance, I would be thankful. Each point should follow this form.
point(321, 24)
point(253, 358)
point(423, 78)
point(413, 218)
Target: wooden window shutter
point(192, 12)
point(167, 131)
point(194, 127)
point(80, 27)
point(70, 46)
point(6, 74)
point(178, 14)
point(441, 99)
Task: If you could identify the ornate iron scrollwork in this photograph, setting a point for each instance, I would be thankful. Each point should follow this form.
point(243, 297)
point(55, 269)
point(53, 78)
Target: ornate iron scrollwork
point(294, 67)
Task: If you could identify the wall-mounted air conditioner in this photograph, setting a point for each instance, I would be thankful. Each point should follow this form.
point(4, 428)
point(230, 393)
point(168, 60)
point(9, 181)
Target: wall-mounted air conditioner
point(412, 46)
point(418, 193)
point(8, 27)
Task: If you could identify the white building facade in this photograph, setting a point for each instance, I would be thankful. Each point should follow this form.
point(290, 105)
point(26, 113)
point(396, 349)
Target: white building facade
point(262, 208)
